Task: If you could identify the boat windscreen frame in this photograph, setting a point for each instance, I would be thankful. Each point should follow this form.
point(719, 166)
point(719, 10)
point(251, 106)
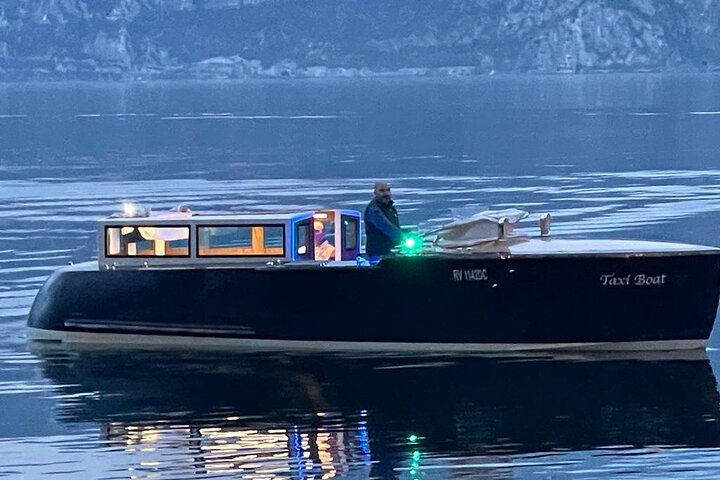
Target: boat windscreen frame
point(106, 241)
point(295, 225)
point(350, 253)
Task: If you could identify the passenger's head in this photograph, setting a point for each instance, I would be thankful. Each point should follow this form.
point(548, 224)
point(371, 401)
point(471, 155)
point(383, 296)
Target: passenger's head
point(382, 192)
point(319, 232)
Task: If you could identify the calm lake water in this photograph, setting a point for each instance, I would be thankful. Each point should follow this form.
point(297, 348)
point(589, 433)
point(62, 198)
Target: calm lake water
point(608, 156)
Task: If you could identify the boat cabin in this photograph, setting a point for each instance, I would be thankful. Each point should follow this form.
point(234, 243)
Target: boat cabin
point(188, 238)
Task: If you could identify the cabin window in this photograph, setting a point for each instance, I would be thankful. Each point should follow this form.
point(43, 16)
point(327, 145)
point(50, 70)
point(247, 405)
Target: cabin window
point(350, 233)
point(324, 238)
point(304, 246)
point(147, 241)
point(241, 241)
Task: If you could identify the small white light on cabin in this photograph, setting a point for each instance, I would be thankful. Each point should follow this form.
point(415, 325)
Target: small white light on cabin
point(320, 215)
point(129, 209)
point(302, 250)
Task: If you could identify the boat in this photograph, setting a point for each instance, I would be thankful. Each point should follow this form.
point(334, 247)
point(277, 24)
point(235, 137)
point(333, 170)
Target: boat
point(299, 280)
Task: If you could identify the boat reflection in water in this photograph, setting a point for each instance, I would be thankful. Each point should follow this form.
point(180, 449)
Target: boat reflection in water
point(260, 452)
point(183, 414)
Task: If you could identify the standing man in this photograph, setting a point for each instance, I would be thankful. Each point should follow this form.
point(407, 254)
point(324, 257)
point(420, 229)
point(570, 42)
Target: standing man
point(382, 225)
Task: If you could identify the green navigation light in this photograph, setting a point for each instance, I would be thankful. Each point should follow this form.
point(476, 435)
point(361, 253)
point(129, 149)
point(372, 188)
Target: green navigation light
point(413, 438)
point(415, 465)
point(412, 244)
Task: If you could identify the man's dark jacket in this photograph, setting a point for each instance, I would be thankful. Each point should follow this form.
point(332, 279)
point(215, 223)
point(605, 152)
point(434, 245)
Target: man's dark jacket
point(382, 228)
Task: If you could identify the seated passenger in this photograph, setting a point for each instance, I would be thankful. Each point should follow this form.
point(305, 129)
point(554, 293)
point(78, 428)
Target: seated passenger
point(323, 249)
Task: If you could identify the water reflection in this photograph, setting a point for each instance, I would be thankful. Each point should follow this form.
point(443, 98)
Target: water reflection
point(260, 452)
point(174, 414)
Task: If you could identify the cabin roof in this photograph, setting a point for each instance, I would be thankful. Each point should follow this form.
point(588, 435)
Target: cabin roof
point(218, 218)
point(214, 218)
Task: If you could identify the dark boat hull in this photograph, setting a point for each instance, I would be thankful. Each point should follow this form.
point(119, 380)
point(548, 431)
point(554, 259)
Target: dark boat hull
point(483, 303)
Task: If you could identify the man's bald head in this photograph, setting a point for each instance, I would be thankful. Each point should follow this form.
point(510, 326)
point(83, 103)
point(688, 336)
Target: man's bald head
point(382, 192)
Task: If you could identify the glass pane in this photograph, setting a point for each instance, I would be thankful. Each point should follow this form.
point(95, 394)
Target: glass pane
point(350, 233)
point(324, 239)
point(147, 241)
point(225, 237)
point(273, 237)
point(239, 241)
point(302, 239)
point(329, 231)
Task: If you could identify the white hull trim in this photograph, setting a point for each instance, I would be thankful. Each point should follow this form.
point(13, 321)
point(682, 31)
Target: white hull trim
point(124, 340)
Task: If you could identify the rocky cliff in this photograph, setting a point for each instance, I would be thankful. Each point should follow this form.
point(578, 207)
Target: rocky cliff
point(140, 39)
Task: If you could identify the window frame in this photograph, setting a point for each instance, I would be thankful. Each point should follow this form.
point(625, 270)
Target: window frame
point(261, 255)
point(309, 255)
point(136, 226)
point(355, 232)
